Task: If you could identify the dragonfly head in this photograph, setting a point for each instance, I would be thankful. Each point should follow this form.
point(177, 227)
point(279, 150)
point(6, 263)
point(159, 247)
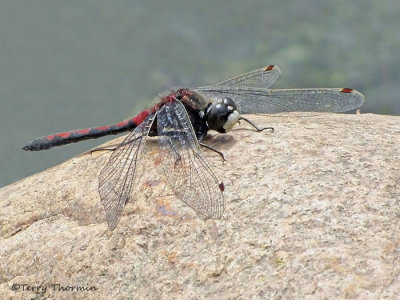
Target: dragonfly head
point(222, 115)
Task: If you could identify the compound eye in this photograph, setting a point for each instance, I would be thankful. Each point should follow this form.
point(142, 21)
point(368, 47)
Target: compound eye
point(216, 116)
point(222, 115)
point(229, 103)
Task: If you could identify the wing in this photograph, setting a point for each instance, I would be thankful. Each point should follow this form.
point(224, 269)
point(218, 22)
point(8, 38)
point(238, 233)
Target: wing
point(187, 172)
point(118, 175)
point(258, 100)
point(262, 78)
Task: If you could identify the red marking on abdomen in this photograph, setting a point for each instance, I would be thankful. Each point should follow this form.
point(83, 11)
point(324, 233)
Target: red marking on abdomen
point(82, 131)
point(222, 186)
point(269, 68)
point(103, 127)
point(122, 124)
point(62, 135)
point(140, 117)
point(346, 90)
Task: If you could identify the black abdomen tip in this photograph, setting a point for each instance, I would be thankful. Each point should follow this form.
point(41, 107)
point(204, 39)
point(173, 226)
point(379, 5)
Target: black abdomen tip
point(36, 145)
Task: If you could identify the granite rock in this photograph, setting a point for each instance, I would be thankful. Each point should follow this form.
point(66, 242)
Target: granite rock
point(312, 211)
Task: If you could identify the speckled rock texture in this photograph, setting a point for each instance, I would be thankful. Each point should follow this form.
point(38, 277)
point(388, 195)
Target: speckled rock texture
point(312, 211)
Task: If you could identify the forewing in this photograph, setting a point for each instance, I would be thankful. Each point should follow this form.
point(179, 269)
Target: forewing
point(257, 100)
point(118, 175)
point(261, 78)
point(185, 169)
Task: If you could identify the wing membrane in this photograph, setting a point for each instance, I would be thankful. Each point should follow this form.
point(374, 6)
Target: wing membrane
point(118, 175)
point(187, 172)
point(262, 78)
point(257, 100)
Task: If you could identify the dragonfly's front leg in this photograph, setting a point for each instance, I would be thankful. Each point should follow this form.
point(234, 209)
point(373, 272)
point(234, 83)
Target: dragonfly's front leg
point(255, 126)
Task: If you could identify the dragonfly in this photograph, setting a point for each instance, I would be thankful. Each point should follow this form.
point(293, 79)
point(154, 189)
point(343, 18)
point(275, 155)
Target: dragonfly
point(181, 120)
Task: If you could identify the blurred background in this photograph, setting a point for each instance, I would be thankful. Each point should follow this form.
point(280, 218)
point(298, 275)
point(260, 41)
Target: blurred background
point(82, 63)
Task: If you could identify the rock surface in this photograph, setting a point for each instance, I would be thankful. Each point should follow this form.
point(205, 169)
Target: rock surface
point(312, 211)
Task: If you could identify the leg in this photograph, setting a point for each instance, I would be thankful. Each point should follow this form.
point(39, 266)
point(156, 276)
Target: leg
point(102, 149)
point(113, 148)
point(255, 126)
point(213, 149)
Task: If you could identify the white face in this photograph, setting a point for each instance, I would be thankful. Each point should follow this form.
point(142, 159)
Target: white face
point(222, 115)
point(232, 120)
point(233, 117)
